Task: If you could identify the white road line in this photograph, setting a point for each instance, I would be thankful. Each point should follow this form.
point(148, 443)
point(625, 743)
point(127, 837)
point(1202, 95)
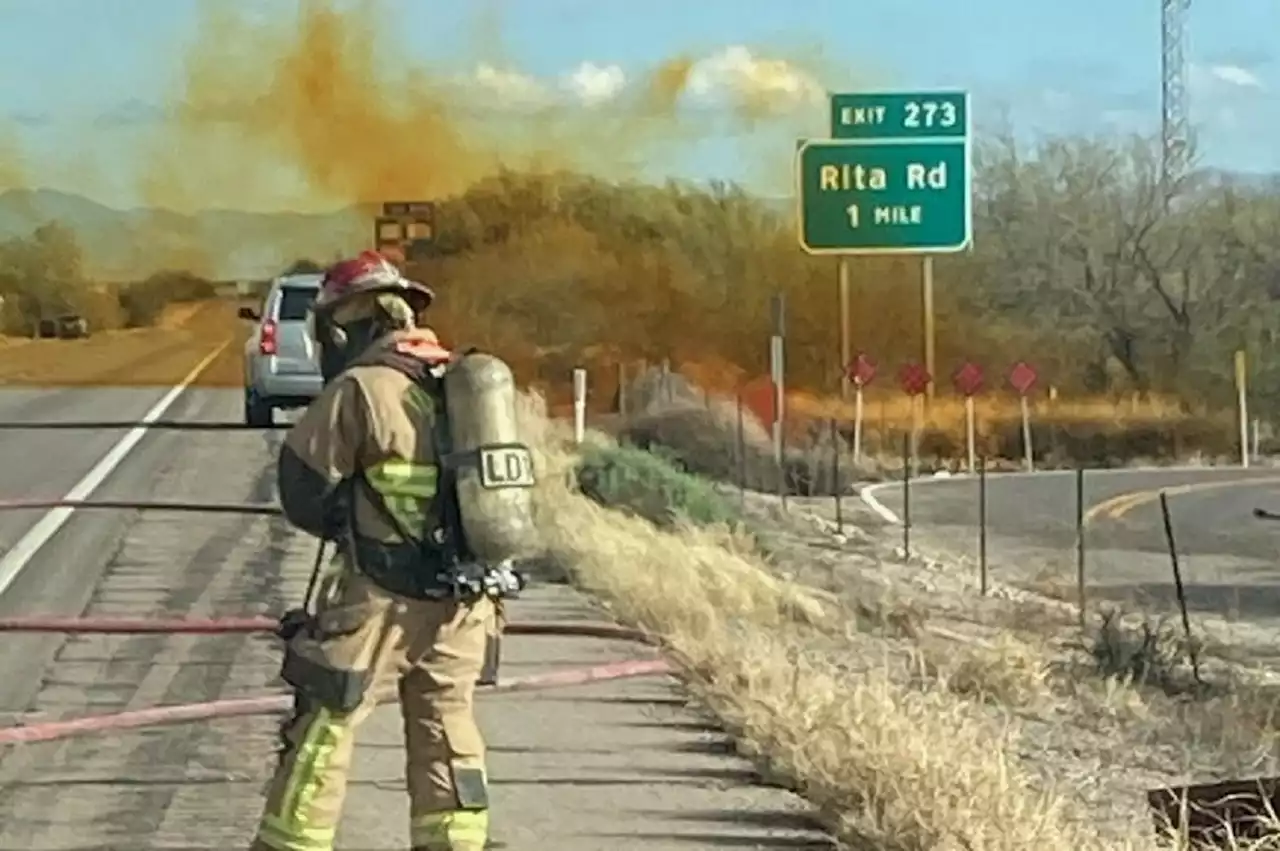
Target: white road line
point(869, 498)
point(17, 558)
point(868, 492)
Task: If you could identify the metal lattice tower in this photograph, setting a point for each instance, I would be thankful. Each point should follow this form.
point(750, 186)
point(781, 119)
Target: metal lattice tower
point(1175, 125)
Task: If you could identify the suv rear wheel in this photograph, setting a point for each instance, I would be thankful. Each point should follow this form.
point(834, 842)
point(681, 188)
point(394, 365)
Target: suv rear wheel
point(257, 413)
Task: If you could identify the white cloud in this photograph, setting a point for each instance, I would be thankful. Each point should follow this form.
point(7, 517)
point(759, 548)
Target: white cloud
point(1236, 76)
point(731, 75)
point(510, 86)
point(588, 84)
point(593, 84)
point(736, 71)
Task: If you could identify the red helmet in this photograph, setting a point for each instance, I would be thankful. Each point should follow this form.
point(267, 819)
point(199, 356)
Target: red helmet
point(369, 272)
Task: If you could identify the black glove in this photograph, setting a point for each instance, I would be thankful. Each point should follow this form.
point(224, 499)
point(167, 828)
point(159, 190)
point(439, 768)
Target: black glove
point(291, 623)
point(337, 511)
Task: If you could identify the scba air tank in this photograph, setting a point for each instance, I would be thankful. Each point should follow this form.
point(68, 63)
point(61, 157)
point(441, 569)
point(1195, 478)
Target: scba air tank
point(494, 468)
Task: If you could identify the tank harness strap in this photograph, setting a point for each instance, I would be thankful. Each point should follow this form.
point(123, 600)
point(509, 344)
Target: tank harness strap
point(457, 576)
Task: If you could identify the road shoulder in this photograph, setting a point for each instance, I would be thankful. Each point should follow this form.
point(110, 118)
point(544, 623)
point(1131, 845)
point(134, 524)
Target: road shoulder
point(622, 764)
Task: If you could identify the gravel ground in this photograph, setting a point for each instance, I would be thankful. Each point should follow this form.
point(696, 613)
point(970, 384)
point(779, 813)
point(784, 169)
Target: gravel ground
point(1100, 747)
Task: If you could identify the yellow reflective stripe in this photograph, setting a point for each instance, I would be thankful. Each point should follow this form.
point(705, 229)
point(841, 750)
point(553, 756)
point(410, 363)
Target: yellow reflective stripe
point(397, 477)
point(404, 487)
point(460, 830)
point(419, 403)
point(288, 826)
point(275, 833)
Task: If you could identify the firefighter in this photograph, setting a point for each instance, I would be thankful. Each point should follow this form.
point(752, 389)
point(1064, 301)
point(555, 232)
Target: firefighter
point(401, 613)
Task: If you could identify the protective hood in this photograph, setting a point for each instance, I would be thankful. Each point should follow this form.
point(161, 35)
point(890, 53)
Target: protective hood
point(416, 352)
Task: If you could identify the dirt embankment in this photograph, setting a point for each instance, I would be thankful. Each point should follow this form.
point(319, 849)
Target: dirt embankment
point(161, 355)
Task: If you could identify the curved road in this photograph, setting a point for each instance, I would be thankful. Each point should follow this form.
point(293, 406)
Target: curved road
point(1228, 557)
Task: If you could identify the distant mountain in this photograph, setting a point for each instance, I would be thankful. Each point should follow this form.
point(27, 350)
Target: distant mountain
point(230, 244)
point(124, 244)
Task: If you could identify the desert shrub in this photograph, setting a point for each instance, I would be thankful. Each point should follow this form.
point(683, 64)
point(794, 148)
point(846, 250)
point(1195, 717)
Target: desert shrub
point(651, 486)
point(141, 305)
point(1066, 441)
point(143, 302)
point(1142, 650)
point(716, 438)
point(303, 266)
point(1105, 443)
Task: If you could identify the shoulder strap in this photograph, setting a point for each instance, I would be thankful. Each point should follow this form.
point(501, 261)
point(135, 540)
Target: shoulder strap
point(444, 504)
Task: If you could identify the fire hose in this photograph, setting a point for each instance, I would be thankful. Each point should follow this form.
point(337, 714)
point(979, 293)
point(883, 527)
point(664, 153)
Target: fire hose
point(44, 731)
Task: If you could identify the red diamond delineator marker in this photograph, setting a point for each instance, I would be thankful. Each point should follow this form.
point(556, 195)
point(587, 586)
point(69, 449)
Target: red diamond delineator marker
point(914, 379)
point(861, 370)
point(1022, 377)
point(968, 378)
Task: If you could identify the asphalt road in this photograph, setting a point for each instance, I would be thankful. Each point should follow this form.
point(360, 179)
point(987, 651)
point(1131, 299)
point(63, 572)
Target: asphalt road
point(1228, 557)
point(46, 465)
point(620, 764)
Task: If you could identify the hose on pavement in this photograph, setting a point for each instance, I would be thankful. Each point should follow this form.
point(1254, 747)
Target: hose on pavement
point(44, 731)
point(159, 425)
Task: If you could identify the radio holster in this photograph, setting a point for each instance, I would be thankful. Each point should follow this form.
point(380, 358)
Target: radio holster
point(304, 667)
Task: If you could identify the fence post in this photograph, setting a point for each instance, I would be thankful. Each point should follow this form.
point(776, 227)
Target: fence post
point(982, 525)
point(906, 496)
point(835, 476)
point(1080, 572)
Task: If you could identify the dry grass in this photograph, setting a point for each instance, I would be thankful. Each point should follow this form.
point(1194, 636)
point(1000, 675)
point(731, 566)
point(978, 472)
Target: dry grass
point(899, 750)
point(911, 713)
point(140, 357)
point(890, 409)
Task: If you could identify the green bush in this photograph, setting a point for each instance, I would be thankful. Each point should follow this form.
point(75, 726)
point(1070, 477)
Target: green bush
point(142, 303)
point(649, 485)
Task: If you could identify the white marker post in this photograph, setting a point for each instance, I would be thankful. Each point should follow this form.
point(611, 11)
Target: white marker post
point(968, 380)
point(917, 428)
point(857, 423)
point(1023, 378)
point(579, 406)
point(777, 370)
point(1026, 433)
point(1242, 397)
point(970, 434)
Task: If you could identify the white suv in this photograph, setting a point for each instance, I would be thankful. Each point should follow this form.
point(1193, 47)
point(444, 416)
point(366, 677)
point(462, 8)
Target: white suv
point(281, 364)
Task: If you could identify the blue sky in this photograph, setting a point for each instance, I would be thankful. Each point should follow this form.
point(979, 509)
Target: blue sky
point(83, 77)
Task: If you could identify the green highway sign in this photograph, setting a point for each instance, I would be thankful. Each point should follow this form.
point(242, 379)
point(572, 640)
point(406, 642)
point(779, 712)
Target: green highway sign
point(900, 115)
point(894, 180)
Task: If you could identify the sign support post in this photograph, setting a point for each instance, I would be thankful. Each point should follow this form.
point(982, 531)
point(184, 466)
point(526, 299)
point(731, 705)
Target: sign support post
point(968, 380)
point(846, 343)
point(914, 378)
point(859, 373)
point(1242, 403)
point(894, 178)
point(1023, 377)
point(927, 330)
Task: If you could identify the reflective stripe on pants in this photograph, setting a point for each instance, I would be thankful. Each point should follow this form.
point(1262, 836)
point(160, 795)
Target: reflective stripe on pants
point(433, 652)
point(461, 830)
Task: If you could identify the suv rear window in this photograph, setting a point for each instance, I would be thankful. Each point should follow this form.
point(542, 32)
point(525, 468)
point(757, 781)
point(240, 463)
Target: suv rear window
point(294, 303)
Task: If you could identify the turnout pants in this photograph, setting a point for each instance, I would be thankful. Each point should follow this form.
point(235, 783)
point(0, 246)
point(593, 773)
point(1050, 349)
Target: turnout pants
point(431, 652)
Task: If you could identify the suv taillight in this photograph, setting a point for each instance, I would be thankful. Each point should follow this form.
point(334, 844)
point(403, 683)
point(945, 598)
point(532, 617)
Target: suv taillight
point(267, 339)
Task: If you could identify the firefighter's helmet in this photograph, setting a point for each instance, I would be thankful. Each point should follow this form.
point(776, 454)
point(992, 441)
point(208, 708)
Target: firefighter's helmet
point(369, 273)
